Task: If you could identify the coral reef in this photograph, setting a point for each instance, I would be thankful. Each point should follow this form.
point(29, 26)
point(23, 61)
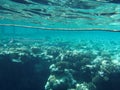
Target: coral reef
point(85, 65)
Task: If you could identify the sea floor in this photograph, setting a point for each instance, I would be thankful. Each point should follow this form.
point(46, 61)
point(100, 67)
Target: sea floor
point(59, 65)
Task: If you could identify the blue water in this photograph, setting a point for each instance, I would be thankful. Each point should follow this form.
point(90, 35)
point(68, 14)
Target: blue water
point(21, 32)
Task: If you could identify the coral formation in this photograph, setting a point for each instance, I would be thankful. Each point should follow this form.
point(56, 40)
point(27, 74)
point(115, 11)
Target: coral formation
point(44, 66)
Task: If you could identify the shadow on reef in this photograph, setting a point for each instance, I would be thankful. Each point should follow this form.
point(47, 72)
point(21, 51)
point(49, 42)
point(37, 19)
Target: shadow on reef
point(112, 83)
point(21, 75)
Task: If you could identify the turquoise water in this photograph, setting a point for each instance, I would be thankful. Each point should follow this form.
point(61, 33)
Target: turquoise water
point(59, 44)
point(36, 34)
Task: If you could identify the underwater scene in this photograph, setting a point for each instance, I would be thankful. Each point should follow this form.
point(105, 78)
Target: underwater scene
point(59, 44)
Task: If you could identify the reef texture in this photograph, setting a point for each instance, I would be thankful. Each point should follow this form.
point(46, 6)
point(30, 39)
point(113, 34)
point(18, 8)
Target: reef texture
point(62, 65)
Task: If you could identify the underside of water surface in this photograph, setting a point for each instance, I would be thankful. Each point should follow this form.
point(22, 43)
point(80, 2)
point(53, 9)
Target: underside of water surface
point(59, 45)
point(62, 14)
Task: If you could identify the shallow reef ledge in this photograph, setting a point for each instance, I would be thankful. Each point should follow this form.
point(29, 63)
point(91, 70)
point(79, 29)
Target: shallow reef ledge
point(85, 65)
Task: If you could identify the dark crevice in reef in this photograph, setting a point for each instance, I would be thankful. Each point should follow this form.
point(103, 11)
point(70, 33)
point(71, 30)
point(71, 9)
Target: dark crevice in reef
point(111, 84)
point(22, 75)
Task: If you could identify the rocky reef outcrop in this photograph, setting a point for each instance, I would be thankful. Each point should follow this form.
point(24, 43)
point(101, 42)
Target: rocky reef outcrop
point(86, 65)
